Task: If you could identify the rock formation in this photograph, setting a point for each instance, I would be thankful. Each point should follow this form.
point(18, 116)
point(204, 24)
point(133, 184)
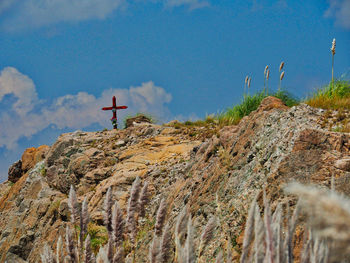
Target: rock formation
point(212, 170)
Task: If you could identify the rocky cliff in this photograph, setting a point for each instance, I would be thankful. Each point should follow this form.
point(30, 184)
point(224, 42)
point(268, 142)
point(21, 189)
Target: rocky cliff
point(212, 170)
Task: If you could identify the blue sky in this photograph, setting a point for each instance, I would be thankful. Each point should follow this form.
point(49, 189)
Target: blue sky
point(62, 60)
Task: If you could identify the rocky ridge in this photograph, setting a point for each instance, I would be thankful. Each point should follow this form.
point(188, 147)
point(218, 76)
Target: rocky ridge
point(217, 175)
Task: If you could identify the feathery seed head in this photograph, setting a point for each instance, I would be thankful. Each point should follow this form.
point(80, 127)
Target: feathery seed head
point(73, 204)
point(219, 257)
point(208, 233)
point(282, 75)
point(164, 251)
point(267, 74)
point(119, 256)
point(117, 225)
point(154, 249)
point(189, 248)
point(133, 205)
point(144, 199)
point(108, 204)
point(246, 79)
point(102, 256)
point(161, 214)
point(249, 82)
point(329, 213)
point(248, 232)
point(265, 71)
point(88, 255)
point(84, 220)
point(333, 46)
point(70, 246)
point(59, 252)
point(47, 255)
point(281, 65)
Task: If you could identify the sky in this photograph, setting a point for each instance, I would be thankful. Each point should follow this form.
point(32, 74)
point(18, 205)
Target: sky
point(61, 61)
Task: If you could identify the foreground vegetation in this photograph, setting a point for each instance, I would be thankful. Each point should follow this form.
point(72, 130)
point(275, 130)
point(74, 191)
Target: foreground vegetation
point(267, 238)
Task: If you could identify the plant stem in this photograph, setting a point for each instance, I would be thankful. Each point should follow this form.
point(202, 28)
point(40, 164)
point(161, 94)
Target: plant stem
point(279, 87)
point(332, 73)
point(244, 91)
point(267, 87)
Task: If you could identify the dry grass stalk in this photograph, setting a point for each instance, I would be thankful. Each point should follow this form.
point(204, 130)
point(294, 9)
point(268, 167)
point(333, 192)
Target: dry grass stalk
point(190, 255)
point(84, 221)
point(102, 256)
point(119, 256)
point(154, 249)
point(281, 66)
point(47, 255)
point(70, 246)
point(267, 81)
point(160, 219)
point(248, 232)
point(59, 250)
point(207, 234)
point(88, 254)
point(259, 235)
point(118, 225)
point(292, 223)
point(73, 204)
point(328, 215)
point(144, 199)
point(133, 207)
point(277, 227)
point(110, 250)
point(220, 257)
point(245, 84)
point(333, 53)
point(329, 212)
point(108, 204)
point(270, 251)
point(249, 80)
point(180, 232)
point(333, 46)
point(165, 245)
point(265, 71)
point(229, 255)
point(282, 75)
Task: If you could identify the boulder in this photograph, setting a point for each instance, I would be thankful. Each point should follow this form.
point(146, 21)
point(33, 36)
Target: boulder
point(130, 122)
point(32, 156)
point(15, 171)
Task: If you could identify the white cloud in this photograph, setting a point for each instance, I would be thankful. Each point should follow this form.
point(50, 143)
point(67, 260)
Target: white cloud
point(36, 13)
point(192, 4)
point(28, 116)
point(340, 11)
point(19, 85)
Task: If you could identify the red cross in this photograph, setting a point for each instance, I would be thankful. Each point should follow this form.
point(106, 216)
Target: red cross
point(114, 109)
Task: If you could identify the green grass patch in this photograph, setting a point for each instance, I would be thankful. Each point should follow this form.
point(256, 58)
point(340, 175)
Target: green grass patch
point(333, 97)
point(232, 116)
point(98, 235)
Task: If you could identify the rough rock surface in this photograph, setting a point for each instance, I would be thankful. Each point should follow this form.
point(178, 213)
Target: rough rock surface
point(217, 175)
point(15, 171)
point(137, 120)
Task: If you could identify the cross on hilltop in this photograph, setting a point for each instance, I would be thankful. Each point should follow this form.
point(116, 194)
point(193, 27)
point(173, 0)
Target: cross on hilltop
point(114, 109)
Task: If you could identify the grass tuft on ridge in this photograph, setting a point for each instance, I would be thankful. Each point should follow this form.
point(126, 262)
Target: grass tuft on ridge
point(329, 97)
point(232, 116)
